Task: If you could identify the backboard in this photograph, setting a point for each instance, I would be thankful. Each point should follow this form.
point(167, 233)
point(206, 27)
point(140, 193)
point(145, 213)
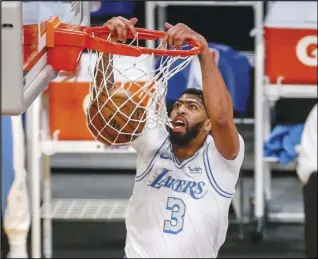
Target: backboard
point(25, 72)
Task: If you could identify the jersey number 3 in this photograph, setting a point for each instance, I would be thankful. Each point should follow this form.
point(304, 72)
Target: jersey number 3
point(175, 224)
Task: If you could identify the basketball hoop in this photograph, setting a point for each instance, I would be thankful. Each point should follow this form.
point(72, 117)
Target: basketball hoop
point(145, 89)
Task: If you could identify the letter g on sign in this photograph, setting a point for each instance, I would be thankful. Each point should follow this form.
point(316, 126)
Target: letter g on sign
point(306, 50)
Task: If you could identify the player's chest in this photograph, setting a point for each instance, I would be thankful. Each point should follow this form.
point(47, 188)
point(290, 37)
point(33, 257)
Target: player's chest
point(192, 167)
point(187, 178)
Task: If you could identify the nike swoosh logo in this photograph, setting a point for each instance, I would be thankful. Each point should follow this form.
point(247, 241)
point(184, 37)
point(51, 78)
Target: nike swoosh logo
point(164, 156)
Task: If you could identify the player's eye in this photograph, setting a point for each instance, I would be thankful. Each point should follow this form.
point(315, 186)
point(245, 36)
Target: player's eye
point(176, 105)
point(193, 107)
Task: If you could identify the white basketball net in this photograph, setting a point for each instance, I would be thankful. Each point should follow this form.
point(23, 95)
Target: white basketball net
point(127, 73)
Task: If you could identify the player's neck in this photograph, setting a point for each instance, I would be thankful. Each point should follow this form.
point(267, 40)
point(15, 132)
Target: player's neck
point(185, 152)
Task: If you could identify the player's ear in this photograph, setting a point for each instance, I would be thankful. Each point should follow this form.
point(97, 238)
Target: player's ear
point(207, 126)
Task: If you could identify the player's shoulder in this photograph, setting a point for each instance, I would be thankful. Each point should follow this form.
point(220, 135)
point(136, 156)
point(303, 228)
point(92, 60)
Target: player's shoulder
point(210, 141)
point(222, 173)
point(151, 139)
point(214, 154)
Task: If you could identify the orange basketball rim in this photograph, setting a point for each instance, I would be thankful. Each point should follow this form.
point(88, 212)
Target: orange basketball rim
point(66, 43)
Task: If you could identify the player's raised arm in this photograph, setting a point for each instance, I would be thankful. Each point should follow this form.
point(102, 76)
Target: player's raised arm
point(118, 27)
point(104, 69)
point(217, 98)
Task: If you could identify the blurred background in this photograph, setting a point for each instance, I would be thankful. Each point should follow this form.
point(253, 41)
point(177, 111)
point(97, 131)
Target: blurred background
point(88, 186)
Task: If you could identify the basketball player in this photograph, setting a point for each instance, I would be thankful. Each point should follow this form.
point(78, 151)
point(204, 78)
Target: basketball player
point(186, 175)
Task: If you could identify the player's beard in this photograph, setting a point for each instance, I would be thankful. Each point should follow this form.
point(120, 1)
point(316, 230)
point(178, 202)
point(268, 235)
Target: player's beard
point(183, 139)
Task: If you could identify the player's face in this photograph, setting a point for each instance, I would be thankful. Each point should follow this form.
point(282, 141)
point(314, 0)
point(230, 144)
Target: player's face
point(188, 118)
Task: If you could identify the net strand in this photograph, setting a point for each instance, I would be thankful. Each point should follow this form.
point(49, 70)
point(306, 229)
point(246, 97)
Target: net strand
point(145, 87)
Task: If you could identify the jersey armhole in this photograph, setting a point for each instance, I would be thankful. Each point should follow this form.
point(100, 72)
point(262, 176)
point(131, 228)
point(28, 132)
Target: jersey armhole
point(238, 160)
point(224, 174)
point(211, 175)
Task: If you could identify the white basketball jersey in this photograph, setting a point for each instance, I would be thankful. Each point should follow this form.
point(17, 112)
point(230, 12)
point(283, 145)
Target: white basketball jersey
point(179, 209)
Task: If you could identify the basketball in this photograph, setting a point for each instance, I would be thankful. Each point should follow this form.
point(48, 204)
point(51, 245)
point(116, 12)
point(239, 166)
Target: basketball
point(115, 117)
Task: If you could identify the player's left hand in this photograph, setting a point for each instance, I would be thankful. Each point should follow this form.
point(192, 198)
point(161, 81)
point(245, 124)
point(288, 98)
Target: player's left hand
point(180, 33)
